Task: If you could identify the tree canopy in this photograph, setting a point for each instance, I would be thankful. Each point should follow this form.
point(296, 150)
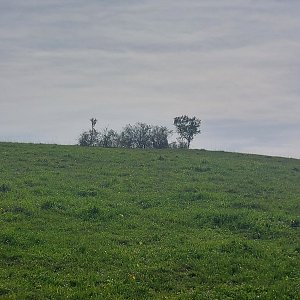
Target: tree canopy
point(187, 128)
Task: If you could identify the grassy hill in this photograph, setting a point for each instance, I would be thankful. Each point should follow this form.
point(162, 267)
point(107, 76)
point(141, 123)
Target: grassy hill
point(94, 223)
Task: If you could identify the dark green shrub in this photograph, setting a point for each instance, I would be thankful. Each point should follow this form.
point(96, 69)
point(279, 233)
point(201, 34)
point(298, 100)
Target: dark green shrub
point(201, 169)
point(91, 213)
point(47, 205)
point(8, 239)
point(5, 188)
point(87, 193)
point(295, 223)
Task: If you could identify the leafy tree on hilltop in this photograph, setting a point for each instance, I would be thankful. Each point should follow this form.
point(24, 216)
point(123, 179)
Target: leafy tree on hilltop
point(187, 128)
point(142, 135)
point(159, 137)
point(108, 138)
point(136, 136)
point(127, 137)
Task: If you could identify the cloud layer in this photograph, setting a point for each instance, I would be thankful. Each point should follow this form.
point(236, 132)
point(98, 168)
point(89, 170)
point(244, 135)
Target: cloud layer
point(235, 64)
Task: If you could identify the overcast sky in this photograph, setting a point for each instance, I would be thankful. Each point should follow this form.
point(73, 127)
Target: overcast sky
point(235, 64)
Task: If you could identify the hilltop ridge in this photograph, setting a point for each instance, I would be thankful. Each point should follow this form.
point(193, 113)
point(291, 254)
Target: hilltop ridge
point(89, 222)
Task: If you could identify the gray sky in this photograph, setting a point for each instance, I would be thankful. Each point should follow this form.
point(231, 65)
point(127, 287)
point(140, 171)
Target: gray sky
point(235, 64)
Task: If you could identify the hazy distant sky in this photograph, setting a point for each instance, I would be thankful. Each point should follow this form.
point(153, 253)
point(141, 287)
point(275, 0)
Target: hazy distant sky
point(233, 63)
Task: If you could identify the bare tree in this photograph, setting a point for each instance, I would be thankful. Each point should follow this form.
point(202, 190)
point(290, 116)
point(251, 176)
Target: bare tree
point(89, 138)
point(93, 132)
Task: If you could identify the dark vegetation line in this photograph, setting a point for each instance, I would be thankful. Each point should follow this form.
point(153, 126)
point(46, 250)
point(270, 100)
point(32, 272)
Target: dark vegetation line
point(142, 135)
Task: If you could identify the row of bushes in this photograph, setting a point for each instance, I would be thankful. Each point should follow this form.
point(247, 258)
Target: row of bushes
point(139, 135)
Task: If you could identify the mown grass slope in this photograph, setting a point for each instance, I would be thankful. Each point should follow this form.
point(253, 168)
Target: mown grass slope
point(94, 223)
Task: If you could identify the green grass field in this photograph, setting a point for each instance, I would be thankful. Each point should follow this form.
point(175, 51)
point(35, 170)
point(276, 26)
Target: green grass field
point(95, 223)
